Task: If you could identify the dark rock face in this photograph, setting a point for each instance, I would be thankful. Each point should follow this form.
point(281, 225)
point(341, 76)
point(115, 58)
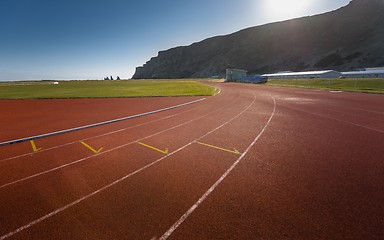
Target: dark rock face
point(348, 38)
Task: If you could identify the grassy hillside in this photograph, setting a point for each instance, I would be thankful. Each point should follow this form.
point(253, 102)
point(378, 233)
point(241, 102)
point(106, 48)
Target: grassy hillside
point(103, 89)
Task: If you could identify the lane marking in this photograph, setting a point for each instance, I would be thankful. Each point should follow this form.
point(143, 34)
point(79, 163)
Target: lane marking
point(221, 179)
point(97, 124)
point(219, 148)
point(110, 150)
point(153, 148)
point(217, 90)
point(335, 119)
point(97, 136)
point(91, 148)
point(34, 148)
point(26, 226)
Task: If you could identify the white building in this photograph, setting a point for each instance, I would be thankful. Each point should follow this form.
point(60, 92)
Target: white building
point(304, 75)
point(376, 68)
point(368, 73)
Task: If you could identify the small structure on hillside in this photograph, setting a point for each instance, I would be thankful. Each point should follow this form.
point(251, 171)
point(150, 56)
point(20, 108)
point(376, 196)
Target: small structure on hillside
point(233, 75)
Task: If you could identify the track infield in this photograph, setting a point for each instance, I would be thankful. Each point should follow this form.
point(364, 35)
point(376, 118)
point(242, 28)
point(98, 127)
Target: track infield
point(103, 89)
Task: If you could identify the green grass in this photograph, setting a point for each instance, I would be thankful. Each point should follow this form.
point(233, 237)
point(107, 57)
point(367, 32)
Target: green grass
point(350, 85)
point(104, 89)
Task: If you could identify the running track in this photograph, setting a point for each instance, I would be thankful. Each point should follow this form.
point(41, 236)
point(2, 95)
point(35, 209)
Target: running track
point(253, 162)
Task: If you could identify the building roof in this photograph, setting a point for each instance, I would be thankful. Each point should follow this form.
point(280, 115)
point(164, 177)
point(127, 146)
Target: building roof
point(375, 68)
point(237, 70)
point(364, 72)
point(300, 73)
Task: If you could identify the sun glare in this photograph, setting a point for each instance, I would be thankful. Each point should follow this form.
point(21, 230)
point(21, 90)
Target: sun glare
point(284, 9)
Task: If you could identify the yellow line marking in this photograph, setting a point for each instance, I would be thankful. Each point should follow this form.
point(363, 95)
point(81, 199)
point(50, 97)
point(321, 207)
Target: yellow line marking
point(91, 148)
point(34, 148)
point(222, 149)
point(153, 148)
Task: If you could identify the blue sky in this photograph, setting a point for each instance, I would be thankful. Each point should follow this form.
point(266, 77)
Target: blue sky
point(92, 39)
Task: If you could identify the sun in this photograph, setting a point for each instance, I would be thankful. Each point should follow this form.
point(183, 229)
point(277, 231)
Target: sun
point(285, 9)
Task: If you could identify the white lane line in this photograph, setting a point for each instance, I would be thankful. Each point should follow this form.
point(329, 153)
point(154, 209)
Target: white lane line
point(217, 90)
point(107, 151)
point(22, 228)
point(97, 124)
point(94, 137)
point(339, 120)
point(354, 114)
point(214, 186)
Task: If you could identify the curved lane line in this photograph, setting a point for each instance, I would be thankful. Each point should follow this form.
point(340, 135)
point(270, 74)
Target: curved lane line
point(22, 228)
point(335, 119)
point(97, 124)
point(107, 151)
point(97, 136)
point(214, 186)
point(94, 137)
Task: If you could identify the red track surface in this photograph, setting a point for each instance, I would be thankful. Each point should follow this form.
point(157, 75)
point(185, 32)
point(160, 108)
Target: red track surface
point(310, 167)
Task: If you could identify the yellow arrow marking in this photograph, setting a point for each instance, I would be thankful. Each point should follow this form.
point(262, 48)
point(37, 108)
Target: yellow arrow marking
point(34, 148)
point(91, 148)
point(153, 148)
point(222, 149)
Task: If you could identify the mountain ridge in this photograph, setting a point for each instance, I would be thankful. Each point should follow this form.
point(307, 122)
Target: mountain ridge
point(344, 39)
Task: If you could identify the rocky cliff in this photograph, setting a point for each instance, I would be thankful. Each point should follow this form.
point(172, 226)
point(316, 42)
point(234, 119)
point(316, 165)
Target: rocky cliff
point(348, 38)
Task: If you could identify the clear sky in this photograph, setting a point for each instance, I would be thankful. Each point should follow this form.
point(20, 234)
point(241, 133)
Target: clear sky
point(92, 39)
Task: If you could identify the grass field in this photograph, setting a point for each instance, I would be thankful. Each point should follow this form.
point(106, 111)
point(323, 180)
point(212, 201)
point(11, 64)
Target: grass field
point(103, 89)
point(352, 85)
